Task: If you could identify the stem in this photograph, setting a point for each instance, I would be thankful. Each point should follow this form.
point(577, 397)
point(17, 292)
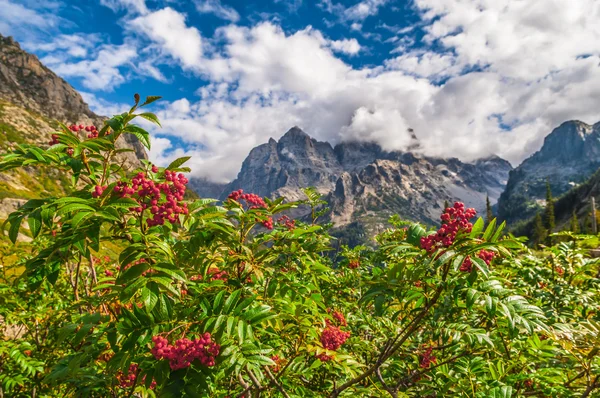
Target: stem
point(279, 386)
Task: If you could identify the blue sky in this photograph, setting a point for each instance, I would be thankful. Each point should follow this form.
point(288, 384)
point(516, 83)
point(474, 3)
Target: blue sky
point(471, 77)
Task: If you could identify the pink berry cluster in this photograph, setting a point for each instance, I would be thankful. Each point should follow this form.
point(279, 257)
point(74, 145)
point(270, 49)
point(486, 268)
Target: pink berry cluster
point(338, 318)
point(98, 191)
point(253, 201)
point(324, 357)
point(214, 274)
point(427, 359)
point(287, 222)
point(278, 363)
point(92, 130)
point(185, 351)
point(149, 196)
point(454, 220)
point(129, 380)
point(55, 141)
point(333, 337)
point(485, 255)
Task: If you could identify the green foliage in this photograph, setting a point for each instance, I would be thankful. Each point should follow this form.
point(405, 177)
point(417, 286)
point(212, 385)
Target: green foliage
point(478, 316)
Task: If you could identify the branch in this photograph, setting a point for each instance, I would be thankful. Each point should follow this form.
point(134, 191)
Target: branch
point(279, 386)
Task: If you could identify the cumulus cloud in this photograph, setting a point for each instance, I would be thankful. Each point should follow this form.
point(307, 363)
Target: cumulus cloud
point(490, 76)
point(103, 107)
point(355, 13)
point(346, 46)
point(75, 45)
point(217, 8)
point(459, 102)
point(128, 5)
point(168, 29)
point(17, 18)
point(100, 73)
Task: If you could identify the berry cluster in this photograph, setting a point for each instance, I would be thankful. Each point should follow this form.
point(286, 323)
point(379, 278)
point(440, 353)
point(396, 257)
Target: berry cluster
point(98, 191)
point(338, 318)
point(324, 357)
point(214, 273)
point(427, 359)
point(129, 380)
point(333, 337)
point(92, 130)
point(353, 264)
point(54, 140)
point(149, 196)
point(485, 255)
point(253, 201)
point(186, 351)
point(287, 222)
point(278, 363)
point(454, 220)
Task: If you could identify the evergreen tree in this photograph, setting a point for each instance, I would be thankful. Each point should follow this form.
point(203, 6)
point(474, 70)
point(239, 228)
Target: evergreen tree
point(574, 223)
point(446, 204)
point(539, 232)
point(489, 215)
point(587, 224)
point(549, 221)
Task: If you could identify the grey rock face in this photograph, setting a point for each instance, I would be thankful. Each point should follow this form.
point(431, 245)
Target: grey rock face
point(365, 183)
point(569, 156)
point(27, 83)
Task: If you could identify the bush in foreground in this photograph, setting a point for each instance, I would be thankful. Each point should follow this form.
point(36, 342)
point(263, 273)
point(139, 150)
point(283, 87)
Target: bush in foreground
point(238, 300)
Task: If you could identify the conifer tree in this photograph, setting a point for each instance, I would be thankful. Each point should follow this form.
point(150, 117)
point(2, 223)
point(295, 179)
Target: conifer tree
point(549, 221)
point(446, 204)
point(539, 232)
point(574, 223)
point(489, 214)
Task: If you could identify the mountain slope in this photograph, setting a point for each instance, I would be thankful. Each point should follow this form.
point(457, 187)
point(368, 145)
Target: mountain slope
point(569, 156)
point(364, 183)
point(33, 99)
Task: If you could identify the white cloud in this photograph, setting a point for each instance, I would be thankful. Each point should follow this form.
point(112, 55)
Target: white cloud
point(346, 46)
point(75, 45)
point(103, 107)
point(518, 39)
point(264, 81)
point(215, 7)
point(364, 9)
point(128, 5)
point(357, 12)
point(168, 29)
point(426, 64)
point(16, 18)
point(101, 73)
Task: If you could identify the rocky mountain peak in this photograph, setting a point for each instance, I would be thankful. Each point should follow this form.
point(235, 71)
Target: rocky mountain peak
point(570, 155)
point(567, 141)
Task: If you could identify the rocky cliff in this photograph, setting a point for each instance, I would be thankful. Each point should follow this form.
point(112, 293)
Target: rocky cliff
point(32, 101)
point(27, 84)
point(569, 156)
point(365, 183)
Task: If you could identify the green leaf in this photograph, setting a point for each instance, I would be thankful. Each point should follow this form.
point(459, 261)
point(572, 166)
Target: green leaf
point(151, 117)
point(231, 301)
point(477, 228)
point(140, 133)
point(489, 230)
point(35, 223)
point(150, 99)
point(15, 225)
point(178, 162)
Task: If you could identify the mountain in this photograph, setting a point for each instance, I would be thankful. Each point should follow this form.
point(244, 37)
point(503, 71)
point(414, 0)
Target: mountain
point(364, 183)
point(569, 156)
point(33, 99)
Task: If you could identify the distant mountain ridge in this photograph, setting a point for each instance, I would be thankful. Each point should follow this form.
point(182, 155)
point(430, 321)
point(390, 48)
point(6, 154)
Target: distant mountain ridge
point(363, 182)
point(569, 156)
